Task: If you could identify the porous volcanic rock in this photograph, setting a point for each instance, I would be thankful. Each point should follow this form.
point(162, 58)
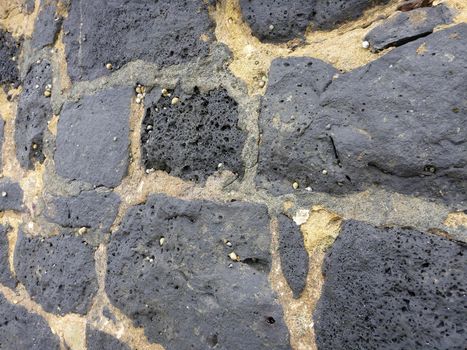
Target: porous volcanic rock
point(97, 340)
point(9, 55)
point(6, 278)
point(392, 288)
point(397, 122)
point(194, 274)
point(191, 138)
point(11, 195)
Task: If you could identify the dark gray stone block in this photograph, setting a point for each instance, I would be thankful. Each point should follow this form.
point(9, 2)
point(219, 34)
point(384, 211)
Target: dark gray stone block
point(9, 55)
point(162, 32)
point(97, 340)
point(58, 272)
point(11, 195)
point(398, 122)
point(191, 138)
point(188, 292)
point(46, 27)
point(403, 27)
point(6, 278)
point(22, 330)
point(91, 209)
point(282, 20)
point(294, 256)
point(34, 110)
point(93, 138)
point(391, 289)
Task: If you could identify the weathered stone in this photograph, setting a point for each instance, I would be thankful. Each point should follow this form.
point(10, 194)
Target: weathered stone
point(191, 138)
point(9, 55)
point(97, 340)
point(162, 32)
point(93, 138)
point(403, 27)
point(294, 256)
point(58, 272)
point(397, 122)
point(22, 330)
point(34, 110)
point(46, 27)
point(11, 195)
point(392, 288)
point(282, 20)
point(90, 209)
point(409, 5)
point(6, 277)
point(156, 285)
point(2, 124)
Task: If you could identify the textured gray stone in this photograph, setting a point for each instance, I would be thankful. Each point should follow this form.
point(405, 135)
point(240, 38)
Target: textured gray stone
point(392, 288)
point(13, 199)
point(46, 27)
point(97, 340)
point(191, 138)
point(163, 32)
point(2, 125)
point(22, 330)
point(188, 293)
point(34, 110)
point(93, 138)
point(294, 256)
point(58, 272)
point(290, 18)
point(9, 48)
point(91, 209)
point(6, 278)
point(398, 122)
point(403, 27)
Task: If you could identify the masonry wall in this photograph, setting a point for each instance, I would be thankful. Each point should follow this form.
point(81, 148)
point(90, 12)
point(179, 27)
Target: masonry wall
point(233, 174)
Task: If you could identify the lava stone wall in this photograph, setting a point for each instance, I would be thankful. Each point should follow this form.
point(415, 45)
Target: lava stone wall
point(233, 174)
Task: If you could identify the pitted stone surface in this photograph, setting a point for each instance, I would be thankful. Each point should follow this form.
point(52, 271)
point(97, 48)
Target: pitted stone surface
point(46, 27)
point(9, 56)
point(191, 138)
point(34, 110)
point(282, 20)
point(163, 32)
point(367, 127)
point(91, 209)
point(97, 340)
point(156, 285)
point(58, 272)
point(22, 330)
point(2, 124)
point(11, 195)
point(93, 138)
point(294, 256)
point(392, 289)
point(6, 277)
point(403, 27)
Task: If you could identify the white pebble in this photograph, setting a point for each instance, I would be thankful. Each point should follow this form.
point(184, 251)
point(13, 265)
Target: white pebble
point(295, 185)
point(325, 172)
point(365, 44)
point(4, 194)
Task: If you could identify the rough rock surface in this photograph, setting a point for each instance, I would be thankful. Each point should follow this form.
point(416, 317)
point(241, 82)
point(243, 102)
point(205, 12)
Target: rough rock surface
point(367, 127)
point(165, 33)
point(90, 209)
point(46, 27)
point(9, 54)
point(156, 285)
point(392, 289)
point(191, 138)
point(93, 138)
point(6, 277)
point(11, 195)
point(294, 256)
point(22, 330)
point(282, 20)
point(58, 273)
point(97, 340)
point(34, 110)
point(2, 125)
point(403, 27)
